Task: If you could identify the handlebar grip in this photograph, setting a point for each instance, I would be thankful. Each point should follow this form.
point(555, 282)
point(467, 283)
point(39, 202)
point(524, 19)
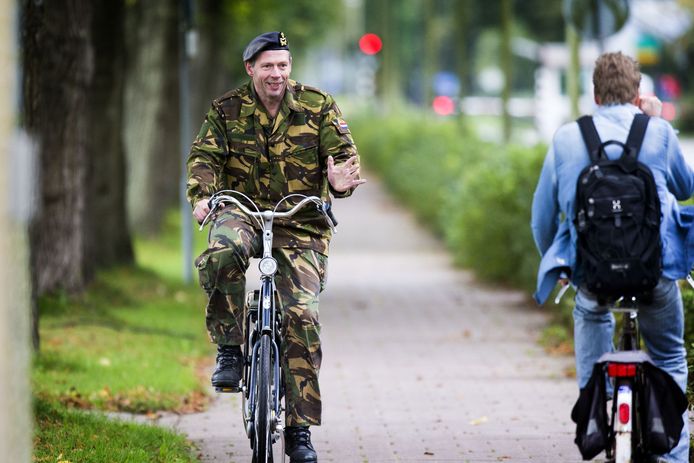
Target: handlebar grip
point(327, 208)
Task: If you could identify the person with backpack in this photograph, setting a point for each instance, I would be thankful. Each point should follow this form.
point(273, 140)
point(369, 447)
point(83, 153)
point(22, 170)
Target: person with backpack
point(605, 216)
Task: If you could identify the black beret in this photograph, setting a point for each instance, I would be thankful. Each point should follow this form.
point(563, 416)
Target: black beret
point(266, 41)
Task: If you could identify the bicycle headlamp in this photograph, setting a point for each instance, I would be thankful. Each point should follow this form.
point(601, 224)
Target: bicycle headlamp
point(267, 266)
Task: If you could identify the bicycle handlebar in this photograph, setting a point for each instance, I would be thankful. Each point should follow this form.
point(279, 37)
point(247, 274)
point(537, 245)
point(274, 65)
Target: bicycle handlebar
point(226, 196)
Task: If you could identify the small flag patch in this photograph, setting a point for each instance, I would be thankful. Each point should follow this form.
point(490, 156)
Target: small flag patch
point(342, 126)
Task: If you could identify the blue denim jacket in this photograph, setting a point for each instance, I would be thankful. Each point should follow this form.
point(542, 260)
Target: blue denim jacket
point(553, 203)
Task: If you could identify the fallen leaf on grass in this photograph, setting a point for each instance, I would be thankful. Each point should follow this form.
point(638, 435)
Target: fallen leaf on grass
point(194, 402)
point(74, 399)
point(153, 415)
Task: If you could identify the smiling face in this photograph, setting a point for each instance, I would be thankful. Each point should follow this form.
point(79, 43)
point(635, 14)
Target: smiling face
point(270, 73)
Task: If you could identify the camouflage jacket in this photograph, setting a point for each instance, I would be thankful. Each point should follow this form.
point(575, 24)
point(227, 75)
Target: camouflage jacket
point(240, 148)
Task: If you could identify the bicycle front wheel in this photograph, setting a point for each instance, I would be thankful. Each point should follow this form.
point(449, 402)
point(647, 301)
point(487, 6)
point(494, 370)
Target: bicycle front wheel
point(262, 450)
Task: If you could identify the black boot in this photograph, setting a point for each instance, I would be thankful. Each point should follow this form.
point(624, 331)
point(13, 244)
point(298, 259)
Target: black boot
point(297, 442)
point(227, 373)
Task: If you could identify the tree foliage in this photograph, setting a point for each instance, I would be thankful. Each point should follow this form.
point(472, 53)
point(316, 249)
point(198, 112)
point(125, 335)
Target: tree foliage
point(443, 35)
point(305, 22)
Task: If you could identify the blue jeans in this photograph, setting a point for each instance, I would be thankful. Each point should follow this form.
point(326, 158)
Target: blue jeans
point(662, 328)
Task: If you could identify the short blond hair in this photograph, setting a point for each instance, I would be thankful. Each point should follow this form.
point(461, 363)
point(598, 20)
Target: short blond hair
point(616, 78)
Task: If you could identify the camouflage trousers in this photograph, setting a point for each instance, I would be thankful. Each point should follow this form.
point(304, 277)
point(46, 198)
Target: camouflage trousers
point(300, 278)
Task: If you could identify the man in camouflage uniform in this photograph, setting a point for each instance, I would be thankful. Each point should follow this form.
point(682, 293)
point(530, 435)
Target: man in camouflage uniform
point(268, 139)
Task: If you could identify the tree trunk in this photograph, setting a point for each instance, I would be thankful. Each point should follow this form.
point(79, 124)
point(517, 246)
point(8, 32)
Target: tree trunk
point(430, 58)
point(151, 108)
point(390, 83)
point(107, 239)
point(73, 93)
point(208, 76)
point(58, 62)
point(506, 65)
point(573, 74)
point(461, 33)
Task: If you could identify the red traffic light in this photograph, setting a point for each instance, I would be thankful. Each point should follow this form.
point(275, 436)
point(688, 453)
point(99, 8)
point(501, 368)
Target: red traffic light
point(370, 44)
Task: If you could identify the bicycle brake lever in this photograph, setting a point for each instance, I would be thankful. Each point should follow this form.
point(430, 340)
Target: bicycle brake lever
point(562, 276)
point(324, 208)
point(204, 221)
point(561, 293)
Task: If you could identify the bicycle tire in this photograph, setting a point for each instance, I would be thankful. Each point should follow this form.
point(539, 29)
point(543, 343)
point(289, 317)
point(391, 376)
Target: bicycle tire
point(262, 450)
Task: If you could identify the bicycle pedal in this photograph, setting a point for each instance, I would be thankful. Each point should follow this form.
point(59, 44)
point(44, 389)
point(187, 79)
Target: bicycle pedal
point(226, 389)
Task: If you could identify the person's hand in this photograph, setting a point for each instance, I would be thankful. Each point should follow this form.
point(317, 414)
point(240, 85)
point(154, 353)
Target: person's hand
point(651, 105)
point(564, 278)
point(344, 176)
point(201, 209)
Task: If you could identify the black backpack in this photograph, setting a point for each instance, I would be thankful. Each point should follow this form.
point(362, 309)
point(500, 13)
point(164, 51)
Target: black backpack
point(617, 217)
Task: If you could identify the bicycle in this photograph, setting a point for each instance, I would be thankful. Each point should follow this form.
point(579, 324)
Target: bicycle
point(640, 426)
point(262, 384)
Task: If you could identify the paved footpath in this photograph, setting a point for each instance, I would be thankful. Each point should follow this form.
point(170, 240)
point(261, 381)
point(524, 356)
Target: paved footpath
point(421, 363)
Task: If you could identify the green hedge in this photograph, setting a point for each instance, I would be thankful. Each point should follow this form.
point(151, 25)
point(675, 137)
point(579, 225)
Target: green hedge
point(475, 195)
point(491, 205)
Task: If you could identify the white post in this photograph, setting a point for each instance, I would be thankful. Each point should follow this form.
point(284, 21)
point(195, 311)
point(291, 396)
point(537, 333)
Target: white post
point(15, 155)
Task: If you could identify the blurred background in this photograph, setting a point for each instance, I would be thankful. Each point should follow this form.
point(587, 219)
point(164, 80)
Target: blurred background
point(452, 101)
point(113, 92)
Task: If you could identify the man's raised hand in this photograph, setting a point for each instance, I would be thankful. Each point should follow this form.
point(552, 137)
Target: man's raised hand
point(345, 176)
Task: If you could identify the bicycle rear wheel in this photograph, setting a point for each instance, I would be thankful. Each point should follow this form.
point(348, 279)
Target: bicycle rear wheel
point(264, 410)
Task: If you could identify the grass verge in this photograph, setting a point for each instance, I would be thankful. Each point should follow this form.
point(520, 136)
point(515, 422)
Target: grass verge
point(69, 436)
point(135, 341)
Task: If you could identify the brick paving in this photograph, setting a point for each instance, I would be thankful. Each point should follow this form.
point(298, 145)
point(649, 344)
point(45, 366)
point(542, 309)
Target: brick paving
point(421, 363)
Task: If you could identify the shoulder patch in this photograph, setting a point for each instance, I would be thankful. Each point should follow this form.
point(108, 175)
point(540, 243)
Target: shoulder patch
point(341, 126)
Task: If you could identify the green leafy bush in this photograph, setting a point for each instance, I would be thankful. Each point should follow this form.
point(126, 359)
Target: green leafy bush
point(476, 195)
point(419, 159)
point(490, 230)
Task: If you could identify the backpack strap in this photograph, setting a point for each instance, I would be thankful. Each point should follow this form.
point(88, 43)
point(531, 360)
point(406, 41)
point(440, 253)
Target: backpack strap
point(590, 136)
point(637, 132)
